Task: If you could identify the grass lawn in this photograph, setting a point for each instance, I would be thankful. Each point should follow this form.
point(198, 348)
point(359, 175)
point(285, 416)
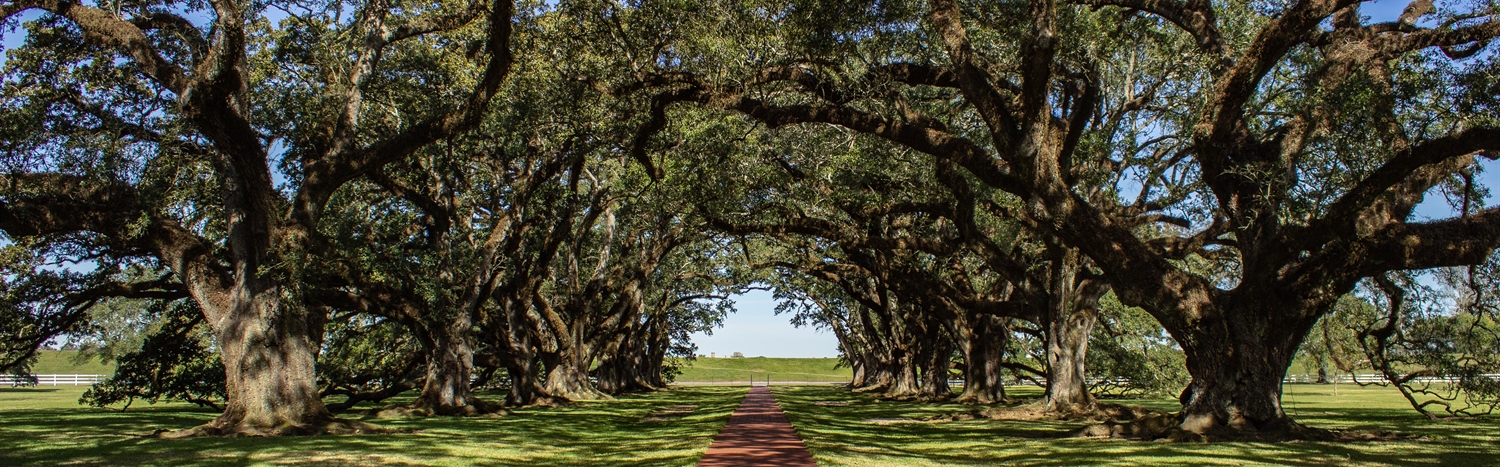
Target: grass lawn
point(778, 369)
point(46, 426)
point(838, 436)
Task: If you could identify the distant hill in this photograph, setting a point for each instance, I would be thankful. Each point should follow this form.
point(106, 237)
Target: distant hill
point(55, 362)
point(60, 362)
point(778, 369)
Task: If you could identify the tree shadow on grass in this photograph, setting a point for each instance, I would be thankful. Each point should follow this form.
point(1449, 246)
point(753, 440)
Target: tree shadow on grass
point(838, 435)
point(594, 433)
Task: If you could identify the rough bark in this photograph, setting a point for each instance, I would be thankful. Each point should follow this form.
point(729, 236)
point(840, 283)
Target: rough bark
point(935, 365)
point(934, 358)
point(1067, 345)
point(858, 377)
point(450, 372)
point(526, 384)
point(568, 377)
point(879, 376)
point(905, 379)
point(628, 366)
point(983, 345)
point(1238, 363)
point(1070, 318)
point(268, 351)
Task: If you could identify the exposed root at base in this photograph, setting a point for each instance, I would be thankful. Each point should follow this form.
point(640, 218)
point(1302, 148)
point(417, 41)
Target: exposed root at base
point(915, 397)
point(978, 400)
point(1167, 427)
point(1037, 411)
point(332, 426)
point(422, 410)
point(545, 403)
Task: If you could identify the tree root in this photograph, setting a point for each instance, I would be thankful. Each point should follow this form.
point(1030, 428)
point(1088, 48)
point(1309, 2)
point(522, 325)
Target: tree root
point(329, 426)
point(1168, 427)
point(869, 388)
point(422, 409)
point(543, 402)
point(1037, 411)
point(914, 396)
point(978, 399)
point(580, 395)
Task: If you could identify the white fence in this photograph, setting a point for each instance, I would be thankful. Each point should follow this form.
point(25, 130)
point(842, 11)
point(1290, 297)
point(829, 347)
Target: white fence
point(1367, 379)
point(1290, 379)
point(54, 380)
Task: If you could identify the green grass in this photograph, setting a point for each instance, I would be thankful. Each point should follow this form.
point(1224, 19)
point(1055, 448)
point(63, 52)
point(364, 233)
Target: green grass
point(778, 369)
point(47, 427)
point(60, 362)
point(838, 436)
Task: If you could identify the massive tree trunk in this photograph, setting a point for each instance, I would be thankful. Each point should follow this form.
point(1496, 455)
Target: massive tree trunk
point(268, 350)
point(656, 357)
point(1067, 345)
point(905, 383)
point(935, 373)
point(514, 335)
point(880, 375)
point(568, 376)
point(982, 341)
point(857, 365)
point(627, 367)
point(450, 372)
point(1238, 361)
point(936, 359)
point(1072, 311)
point(630, 361)
point(879, 362)
point(525, 384)
point(657, 343)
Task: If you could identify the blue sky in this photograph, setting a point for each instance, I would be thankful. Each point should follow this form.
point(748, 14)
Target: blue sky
point(757, 331)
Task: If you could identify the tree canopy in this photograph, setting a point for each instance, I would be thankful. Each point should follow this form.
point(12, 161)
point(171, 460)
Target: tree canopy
point(353, 200)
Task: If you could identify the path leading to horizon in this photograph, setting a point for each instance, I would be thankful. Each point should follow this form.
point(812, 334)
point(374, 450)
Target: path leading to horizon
point(757, 434)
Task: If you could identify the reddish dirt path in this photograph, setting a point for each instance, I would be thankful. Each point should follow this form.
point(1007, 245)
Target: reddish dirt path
point(757, 434)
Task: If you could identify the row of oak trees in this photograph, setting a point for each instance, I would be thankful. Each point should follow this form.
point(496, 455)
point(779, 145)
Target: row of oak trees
point(564, 190)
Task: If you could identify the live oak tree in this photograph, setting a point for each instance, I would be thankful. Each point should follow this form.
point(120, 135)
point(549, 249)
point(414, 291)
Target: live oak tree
point(1287, 143)
point(154, 132)
point(426, 242)
point(919, 268)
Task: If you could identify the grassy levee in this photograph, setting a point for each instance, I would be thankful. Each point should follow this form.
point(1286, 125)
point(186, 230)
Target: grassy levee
point(728, 370)
point(46, 426)
point(60, 362)
point(840, 435)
